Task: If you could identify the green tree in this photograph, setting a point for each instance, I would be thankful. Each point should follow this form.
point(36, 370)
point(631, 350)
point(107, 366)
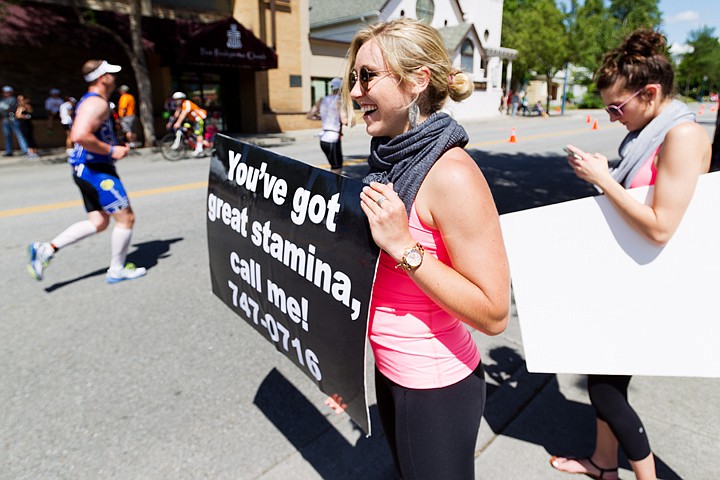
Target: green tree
point(633, 14)
point(537, 30)
point(592, 32)
point(699, 72)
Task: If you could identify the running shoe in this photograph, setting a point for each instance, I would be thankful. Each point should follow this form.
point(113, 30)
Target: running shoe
point(130, 272)
point(39, 254)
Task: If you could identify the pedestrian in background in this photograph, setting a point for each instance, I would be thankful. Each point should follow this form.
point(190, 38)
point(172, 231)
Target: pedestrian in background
point(93, 165)
point(664, 148)
point(333, 117)
point(67, 112)
point(126, 115)
point(52, 107)
point(10, 125)
point(514, 102)
point(442, 266)
point(23, 114)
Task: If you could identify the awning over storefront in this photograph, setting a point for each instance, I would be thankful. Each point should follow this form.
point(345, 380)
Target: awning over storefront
point(225, 43)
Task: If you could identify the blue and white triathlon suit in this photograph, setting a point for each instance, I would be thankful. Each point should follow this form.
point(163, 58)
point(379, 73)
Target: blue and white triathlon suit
point(95, 174)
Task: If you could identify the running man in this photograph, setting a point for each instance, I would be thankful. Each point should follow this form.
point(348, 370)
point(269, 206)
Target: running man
point(93, 163)
point(188, 109)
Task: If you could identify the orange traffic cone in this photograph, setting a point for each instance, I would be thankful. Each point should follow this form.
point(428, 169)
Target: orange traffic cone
point(513, 139)
point(588, 120)
point(595, 125)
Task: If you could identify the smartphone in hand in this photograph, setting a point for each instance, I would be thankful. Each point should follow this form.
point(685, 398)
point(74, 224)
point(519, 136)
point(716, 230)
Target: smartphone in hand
point(570, 152)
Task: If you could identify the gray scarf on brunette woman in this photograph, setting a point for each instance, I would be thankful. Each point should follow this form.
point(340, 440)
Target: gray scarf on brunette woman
point(406, 159)
point(637, 146)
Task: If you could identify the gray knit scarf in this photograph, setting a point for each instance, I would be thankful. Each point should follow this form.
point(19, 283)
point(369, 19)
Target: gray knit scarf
point(406, 159)
point(636, 146)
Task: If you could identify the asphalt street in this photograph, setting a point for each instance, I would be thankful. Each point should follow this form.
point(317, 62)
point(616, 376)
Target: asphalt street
point(156, 378)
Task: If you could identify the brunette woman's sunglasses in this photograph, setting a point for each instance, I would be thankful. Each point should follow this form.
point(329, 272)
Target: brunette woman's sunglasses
point(365, 76)
point(616, 110)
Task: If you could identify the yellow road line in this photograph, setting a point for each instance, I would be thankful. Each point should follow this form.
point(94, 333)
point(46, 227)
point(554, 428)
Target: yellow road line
point(48, 207)
point(191, 186)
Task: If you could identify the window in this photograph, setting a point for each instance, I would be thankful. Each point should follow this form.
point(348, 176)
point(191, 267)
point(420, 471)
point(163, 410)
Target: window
point(425, 10)
point(467, 54)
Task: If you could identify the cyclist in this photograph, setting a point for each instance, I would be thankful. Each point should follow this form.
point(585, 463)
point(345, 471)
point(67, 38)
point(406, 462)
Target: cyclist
point(188, 109)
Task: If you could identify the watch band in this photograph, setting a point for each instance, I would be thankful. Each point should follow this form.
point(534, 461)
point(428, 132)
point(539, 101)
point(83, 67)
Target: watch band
point(404, 265)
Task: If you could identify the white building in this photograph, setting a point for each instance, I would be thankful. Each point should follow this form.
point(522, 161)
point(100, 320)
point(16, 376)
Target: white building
point(470, 29)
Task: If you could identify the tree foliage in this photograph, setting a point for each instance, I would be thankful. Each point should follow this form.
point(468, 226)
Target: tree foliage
point(580, 33)
point(699, 73)
point(536, 28)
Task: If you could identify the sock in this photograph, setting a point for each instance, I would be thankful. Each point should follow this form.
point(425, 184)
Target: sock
point(75, 232)
point(119, 244)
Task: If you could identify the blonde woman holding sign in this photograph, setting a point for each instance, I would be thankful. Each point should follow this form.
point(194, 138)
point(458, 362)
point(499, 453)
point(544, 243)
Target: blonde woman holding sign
point(443, 265)
point(667, 149)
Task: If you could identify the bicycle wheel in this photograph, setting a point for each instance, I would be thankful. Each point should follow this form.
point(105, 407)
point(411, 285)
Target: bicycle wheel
point(166, 147)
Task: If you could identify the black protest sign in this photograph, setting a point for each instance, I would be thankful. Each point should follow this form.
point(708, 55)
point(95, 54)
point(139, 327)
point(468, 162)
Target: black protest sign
point(291, 253)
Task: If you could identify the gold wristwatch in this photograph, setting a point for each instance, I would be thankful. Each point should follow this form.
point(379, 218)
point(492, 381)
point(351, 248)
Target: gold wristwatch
point(412, 258)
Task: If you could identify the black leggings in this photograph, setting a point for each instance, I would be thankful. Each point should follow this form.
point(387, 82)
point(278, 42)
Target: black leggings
point(333, 152)
point(609, 397)
point(432, 433)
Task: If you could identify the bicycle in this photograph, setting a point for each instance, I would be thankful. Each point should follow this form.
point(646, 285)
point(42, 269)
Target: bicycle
point(176, 145)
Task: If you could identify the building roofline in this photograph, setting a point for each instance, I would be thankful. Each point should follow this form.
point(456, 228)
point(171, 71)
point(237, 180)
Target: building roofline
point(336, 21)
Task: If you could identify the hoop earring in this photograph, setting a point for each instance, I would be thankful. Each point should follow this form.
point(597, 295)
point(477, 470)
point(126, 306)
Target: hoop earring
point(413, 114)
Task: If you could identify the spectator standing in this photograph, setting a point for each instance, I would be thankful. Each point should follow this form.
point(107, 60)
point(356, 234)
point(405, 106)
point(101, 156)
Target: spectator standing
point(665, 148)
point(93, 166)
point(442, 266)
point(333, 118)
point(10, 125)
point(514, 102)
point(24, 114)
point(67, 112)
point(126, 114)
point(52, 107)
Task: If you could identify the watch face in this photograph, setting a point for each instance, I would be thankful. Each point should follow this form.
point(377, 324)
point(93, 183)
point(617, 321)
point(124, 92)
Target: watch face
point(413, 258)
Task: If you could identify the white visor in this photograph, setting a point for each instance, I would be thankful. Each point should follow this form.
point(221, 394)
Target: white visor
point(101, 70)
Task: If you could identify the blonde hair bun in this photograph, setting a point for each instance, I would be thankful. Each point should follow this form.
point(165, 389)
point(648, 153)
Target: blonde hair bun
point(460, 86)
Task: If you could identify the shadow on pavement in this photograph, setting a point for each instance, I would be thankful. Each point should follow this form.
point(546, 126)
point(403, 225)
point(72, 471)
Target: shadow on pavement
point(518, 181)
point(146, 255)
point(543, 415)
point(317, 440)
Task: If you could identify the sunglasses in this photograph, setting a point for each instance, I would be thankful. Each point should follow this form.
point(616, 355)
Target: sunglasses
point(365, 76)
point(616, 110)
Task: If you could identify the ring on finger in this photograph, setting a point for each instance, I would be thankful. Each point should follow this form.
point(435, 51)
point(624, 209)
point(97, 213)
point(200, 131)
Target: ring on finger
point(380, 200)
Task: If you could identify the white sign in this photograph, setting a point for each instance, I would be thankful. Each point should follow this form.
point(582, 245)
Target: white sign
point(594, 296)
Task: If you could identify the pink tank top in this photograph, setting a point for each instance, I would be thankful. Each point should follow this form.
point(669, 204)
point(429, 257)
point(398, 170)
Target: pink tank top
point(647, 173)
point(416, 343)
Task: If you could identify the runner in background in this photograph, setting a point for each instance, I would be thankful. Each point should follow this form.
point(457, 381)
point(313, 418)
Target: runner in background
point(93, 164)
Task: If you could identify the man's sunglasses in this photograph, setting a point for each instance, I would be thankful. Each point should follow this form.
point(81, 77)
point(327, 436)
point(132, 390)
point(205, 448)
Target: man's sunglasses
point(365, 76)
point(616, 110)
